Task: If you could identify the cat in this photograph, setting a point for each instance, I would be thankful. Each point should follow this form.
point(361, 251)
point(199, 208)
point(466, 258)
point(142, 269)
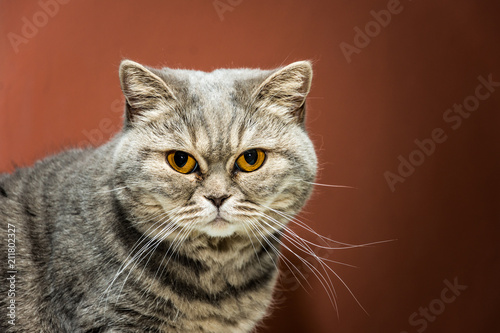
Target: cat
point(175, 224)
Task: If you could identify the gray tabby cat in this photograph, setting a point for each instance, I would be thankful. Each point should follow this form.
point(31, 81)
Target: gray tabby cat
point(172, 226)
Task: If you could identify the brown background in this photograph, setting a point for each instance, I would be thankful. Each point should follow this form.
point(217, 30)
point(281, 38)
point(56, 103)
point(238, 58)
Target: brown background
point(60, 88)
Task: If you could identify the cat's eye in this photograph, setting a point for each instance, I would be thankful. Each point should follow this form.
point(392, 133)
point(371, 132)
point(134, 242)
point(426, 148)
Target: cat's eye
point(182, 162)
point(250, 160)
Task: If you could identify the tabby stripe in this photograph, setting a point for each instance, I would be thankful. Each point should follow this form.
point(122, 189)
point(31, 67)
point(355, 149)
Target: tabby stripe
point(194, 293)
point(100, 329)
point(2, 192)
point(137, 316)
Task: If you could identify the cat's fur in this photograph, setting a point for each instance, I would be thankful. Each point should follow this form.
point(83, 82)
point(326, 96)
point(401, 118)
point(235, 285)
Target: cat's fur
point(84, 218)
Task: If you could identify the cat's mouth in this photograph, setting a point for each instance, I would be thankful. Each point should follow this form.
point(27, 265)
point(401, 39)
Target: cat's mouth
point(219, 227)
point(218, 221)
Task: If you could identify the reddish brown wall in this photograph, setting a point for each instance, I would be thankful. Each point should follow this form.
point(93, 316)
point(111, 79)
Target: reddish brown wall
point(62, 84)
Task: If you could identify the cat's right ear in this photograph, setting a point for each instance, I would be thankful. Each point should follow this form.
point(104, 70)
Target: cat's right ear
point(147, 95)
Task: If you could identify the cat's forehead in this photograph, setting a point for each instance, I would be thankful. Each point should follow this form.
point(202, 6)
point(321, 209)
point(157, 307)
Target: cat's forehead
point(221, 82)
point(215, 110)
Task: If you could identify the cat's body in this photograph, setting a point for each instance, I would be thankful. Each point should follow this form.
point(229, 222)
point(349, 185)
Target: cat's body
point(121, 239)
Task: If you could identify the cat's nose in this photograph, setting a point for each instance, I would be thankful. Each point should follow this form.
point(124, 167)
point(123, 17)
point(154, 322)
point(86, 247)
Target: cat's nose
point(217, 201)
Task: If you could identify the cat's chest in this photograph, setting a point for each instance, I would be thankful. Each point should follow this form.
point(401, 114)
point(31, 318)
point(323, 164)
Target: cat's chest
point(193, 294)
point(189, 308)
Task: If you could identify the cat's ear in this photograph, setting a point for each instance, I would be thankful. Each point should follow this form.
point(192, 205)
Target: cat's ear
point(147, 95)
point(284, 92)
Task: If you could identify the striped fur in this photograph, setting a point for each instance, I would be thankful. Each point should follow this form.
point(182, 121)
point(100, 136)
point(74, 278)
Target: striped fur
point(113, 239)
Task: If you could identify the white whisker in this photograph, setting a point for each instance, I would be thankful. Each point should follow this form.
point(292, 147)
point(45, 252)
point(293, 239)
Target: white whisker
point(305, 246)
point(326, 282)
point(162, 217)
point(308, 228)
point(286, 261)
point(329, 185)
point(251, 241)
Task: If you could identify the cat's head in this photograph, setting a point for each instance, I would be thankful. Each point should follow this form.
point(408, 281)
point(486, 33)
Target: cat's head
point(220, 153)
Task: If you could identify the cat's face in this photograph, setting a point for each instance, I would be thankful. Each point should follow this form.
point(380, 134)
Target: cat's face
point(219, 153)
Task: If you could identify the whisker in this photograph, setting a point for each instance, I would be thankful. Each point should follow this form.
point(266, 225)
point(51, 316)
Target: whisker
point(286, 261)
point(325, 282)
point(320, 261)
point(119, 188)
point(308, 228)
point(182, 234)
point(329, 185)
point(296, 240)
point(251, 241)
point(262, 235)
point(162, 236)
point(114, 189)
point(140, 255)
point(162, 217)
point(166, 252)
point(303, 245)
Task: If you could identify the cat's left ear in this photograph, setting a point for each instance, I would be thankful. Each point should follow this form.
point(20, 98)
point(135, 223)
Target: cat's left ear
point(284, 92)
point(147, 95)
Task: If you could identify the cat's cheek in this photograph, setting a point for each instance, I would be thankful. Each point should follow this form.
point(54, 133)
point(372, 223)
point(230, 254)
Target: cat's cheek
point(264, 182)
point(166, 203)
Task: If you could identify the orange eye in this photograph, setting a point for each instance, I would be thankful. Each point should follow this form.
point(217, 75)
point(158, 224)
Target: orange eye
point(251, 160)
point(182, 162)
